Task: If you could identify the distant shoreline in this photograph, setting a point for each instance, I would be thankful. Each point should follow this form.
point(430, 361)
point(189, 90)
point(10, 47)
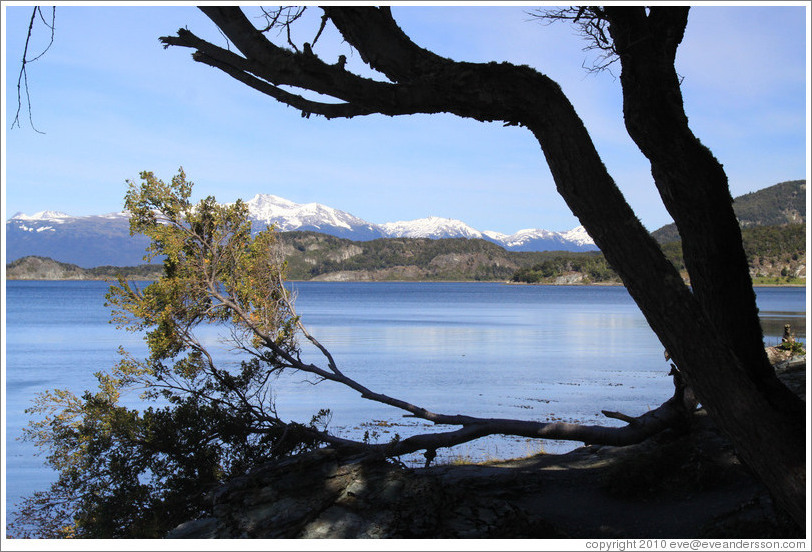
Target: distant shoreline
point(456, 269)
point(508, 283)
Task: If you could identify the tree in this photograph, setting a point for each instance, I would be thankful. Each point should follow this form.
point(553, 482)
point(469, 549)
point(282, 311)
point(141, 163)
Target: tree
point(712, 329)
point(216, 272)
point(125, 473)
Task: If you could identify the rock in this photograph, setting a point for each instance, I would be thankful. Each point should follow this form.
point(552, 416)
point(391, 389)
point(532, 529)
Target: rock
point(206, 528)
point(570, 278)
point(793, 373)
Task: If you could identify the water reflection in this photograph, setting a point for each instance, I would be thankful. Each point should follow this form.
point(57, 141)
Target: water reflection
point(779, 306)
point(773, 325)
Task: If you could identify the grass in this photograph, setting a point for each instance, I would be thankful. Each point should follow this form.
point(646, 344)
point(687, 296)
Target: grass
point(778, 281)
point(532, 447)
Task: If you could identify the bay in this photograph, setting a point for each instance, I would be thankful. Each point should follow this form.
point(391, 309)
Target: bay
point(483, 349)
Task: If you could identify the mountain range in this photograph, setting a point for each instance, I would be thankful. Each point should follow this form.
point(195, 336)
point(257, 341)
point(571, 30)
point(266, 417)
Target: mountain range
point(96, 240)
point(288, 216)
point(99, 240)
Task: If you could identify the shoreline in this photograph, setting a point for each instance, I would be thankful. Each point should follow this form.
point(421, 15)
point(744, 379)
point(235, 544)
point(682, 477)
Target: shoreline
point(503, 282)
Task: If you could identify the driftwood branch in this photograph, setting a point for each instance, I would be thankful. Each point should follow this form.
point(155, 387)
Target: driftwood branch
point(672, 414)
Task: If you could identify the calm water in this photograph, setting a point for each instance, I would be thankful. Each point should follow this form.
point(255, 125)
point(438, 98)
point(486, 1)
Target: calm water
point(528, 352)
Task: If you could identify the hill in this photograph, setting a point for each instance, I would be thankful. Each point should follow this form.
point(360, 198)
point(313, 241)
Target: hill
point(320, 257)
point(315, 256)
point(783, 203)
point(44, 268)
point(776, 255)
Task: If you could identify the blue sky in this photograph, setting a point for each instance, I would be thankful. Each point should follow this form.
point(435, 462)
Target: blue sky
point(112, 102)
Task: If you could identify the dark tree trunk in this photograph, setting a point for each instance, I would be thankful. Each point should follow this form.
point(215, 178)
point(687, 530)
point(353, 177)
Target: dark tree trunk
point(694, 189)
point(712, 332)
point(692, 184)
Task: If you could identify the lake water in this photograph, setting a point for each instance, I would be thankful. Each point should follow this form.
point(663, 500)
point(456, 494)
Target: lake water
point(491, 350)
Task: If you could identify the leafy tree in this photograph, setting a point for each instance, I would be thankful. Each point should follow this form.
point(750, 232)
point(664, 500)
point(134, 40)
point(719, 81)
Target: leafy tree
point(125, 473)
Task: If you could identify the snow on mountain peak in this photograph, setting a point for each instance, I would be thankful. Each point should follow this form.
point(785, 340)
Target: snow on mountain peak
point(55, 216)
point(528, 239)
point(286, 215)
point(429, 227)
point(578, 235)
point(267, 202)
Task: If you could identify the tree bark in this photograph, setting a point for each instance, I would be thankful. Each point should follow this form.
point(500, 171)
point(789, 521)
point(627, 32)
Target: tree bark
point(694, 189)
point(692, 184)
point(713, 333)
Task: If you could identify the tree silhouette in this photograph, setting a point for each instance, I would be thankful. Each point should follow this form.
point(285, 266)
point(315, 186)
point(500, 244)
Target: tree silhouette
point(216, 272)
point(712, 329)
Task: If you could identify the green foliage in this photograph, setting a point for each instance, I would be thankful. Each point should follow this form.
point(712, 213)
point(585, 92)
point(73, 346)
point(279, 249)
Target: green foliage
point(135, 474)
point(777, 205)
point(775, 241)
point(592, 265)
point(776, 281)
point(795, 347)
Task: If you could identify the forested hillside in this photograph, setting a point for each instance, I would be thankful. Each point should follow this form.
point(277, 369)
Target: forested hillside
point(44, 268)
point(776, 254)
point(321, 257)
point(783, 203)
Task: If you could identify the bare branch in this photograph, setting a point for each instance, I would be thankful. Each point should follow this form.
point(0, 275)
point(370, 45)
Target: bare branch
point(671, 414)
point(592, 24)
point(422, 82)
point(284, 70)
point(323, 24)
point(22, 79)
point(282, 18)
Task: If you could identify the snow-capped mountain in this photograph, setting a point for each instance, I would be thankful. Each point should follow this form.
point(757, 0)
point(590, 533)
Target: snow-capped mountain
point(430, 227)
point(86, 241)
point(286, 216)
point(97, 240)
point(578, 236)
point(534, 239)
point(54, 216)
